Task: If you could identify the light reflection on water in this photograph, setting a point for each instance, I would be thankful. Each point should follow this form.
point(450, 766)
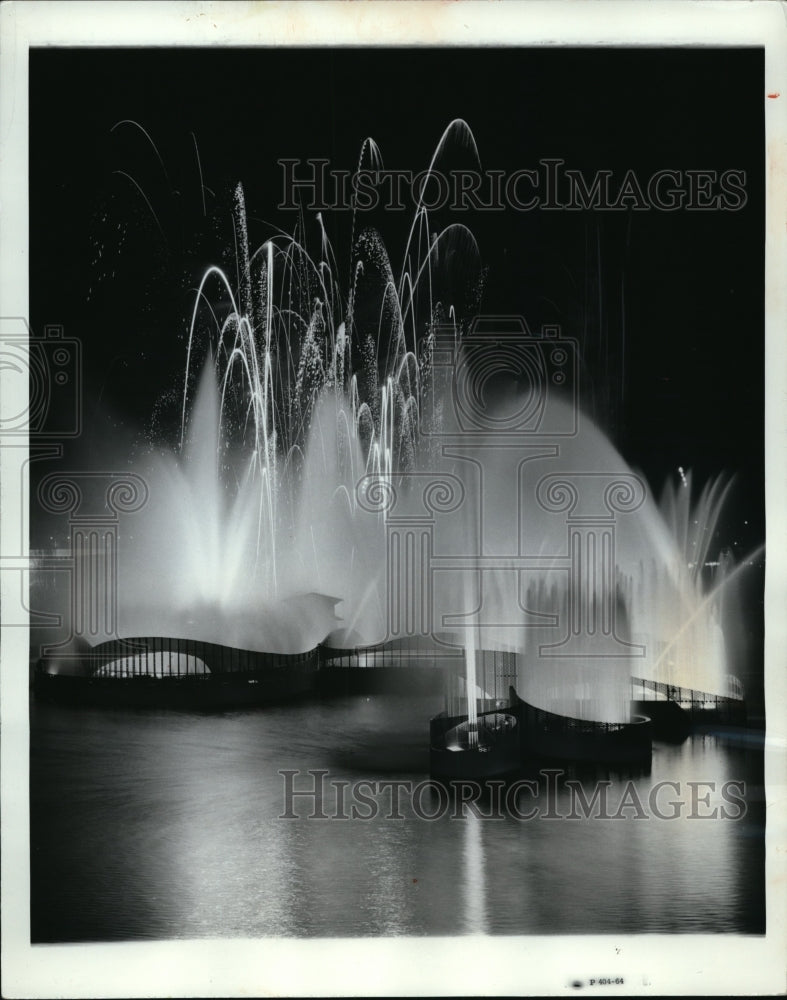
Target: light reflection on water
point(165, 824)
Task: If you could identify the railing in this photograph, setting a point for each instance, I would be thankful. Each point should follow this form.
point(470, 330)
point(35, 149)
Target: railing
point(166, 657)
point(682, 696)
point(552, 722)
point(396, 653)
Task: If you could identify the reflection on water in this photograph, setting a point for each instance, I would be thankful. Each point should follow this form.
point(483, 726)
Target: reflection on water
point(165, 825)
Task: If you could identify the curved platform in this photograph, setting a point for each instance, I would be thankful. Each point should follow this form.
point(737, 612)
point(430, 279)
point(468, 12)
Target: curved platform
point(551, 736)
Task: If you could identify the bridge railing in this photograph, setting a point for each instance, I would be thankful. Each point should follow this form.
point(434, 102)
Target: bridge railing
point(168, 657)
point(659, 690)
point(396, 653)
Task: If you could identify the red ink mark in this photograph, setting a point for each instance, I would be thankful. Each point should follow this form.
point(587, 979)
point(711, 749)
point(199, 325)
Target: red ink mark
point(774, 95)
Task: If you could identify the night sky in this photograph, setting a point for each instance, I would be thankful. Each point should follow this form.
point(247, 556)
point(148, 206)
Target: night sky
point(668, 305)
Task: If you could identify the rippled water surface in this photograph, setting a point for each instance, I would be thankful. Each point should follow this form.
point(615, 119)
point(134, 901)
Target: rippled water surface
point(167, 825)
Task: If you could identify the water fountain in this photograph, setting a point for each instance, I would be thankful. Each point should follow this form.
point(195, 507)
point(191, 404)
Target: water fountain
point(555, 561)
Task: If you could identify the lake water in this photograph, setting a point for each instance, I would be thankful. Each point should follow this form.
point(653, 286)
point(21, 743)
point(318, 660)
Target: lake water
point(155, 825)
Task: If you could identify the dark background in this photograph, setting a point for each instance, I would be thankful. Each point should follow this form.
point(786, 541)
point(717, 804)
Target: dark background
point(668, 309)
point(668, 306)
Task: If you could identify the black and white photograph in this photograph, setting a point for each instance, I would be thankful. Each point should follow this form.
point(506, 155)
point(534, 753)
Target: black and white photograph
point(390, 419)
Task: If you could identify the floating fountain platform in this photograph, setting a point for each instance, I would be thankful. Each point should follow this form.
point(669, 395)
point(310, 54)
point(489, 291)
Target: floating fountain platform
point(503, 740)
point(551, 736)
point(488, 748)
point(461, 749)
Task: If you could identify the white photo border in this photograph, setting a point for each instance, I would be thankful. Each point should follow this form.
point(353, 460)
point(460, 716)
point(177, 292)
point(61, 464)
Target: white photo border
point(528, 965)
